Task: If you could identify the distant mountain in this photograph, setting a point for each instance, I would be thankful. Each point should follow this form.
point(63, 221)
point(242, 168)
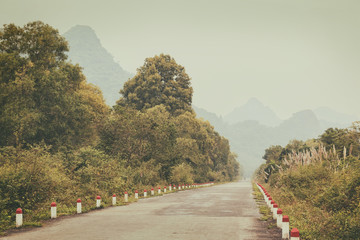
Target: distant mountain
point(99, 65)
point(331, 118)
point(214, 119)
point(302, 126)
point(253, 110)
point(249, 138)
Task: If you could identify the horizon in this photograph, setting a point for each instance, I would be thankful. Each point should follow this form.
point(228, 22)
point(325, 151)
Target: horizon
point(291, 56)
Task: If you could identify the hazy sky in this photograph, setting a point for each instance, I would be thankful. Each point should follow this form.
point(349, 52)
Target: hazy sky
point(290, 54)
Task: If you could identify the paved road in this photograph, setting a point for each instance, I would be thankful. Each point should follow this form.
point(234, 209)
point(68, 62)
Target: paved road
point(225, 211)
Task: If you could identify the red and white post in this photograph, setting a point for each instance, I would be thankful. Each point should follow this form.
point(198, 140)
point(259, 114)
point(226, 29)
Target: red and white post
point(179, 187)
point(19, 217)
point(136, 194)
point(275, 207)
point(159, 190)
point(145, 193)
point(294, 234)
point(53, 210)
point(285, 227)
point(114, 200)
point(165, 189)
point(78, 205)
point(170, 188)
point(272, 206)
point(98, 201)
point(279, 218)
point(126, 197)
point(269, 200)
point(152, 192)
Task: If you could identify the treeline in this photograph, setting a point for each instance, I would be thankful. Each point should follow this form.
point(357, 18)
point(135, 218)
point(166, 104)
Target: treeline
point(60, 141)
point(317, 183)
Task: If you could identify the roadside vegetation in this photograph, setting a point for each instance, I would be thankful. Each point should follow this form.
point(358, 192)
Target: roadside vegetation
point(60, 141)
point(317, 183)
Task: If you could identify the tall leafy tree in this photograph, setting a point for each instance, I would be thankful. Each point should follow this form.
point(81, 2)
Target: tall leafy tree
point(159, 81)
point(43, 97)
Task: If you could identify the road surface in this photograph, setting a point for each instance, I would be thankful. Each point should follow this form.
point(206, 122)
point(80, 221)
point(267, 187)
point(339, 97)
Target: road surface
point(225, 211)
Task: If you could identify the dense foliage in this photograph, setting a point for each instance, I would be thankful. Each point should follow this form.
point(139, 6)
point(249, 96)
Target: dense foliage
point(317, 183)
point(60, 141)
point(159, 81)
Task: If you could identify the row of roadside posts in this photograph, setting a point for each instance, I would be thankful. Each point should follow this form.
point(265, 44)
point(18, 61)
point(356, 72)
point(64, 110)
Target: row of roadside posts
point(172, 188)
point(282, 221)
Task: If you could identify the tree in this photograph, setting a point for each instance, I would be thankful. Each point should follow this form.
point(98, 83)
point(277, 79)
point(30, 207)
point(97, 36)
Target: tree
point(273, 154)
point(42, 97)
point(139, 137)
point(159, 81)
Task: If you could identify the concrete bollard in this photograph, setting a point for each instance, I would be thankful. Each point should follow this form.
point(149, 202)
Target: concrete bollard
point(145, 193)
point(165, 189)
point(136, 194)
point(159, 190)
point(279, 218)
point(126, 197)
point(170, 188)
point(19, 217)
point(114, 200)
point(179, 187)
point(53, 210)
point(285, 227)
point(269, 201)
point(174, 187)
point(183, 186)
point(78, 205)
point(152, 192)
point(275, 207)
point(272, 206)
point(98, 201)
point(294, 234)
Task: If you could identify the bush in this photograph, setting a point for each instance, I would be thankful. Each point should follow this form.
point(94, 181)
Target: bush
point(181, 174)
point(29, 178)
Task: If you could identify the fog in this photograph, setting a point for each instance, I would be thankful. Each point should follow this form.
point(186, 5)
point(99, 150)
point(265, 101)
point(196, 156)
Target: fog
point(291, 55)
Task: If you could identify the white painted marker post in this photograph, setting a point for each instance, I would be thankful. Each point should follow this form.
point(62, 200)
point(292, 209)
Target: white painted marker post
point(164, 189)
point(98, 201)
point(269, 201)
point(136, 194)
point(159, 190)
point(78, 205)
point(179, 187)
point(170, 188)
point(294, 234)
point(53, 210)
point(126, 197)
point(152, 192)
point(145, 193)
point(114, 200)
point(275, 207)
point(285, 227)
point(272, 206)
point(19, 217)
point(279, 218)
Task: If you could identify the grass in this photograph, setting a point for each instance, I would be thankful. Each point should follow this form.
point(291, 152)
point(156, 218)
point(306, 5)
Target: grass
point(266, 214)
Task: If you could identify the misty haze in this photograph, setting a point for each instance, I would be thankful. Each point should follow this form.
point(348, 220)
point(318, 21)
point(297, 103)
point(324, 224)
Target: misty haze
point(104, 99)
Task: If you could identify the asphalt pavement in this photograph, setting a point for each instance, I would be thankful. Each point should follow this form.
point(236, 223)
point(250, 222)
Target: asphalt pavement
point(226, 211)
